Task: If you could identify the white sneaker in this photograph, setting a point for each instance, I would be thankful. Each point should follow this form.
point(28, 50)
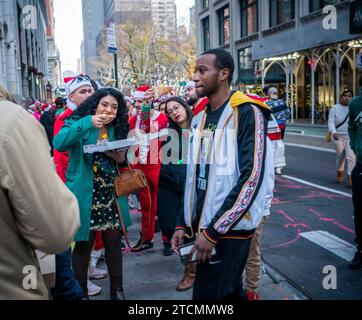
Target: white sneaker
point(278, 171)
point(96, 274)
point(132, 201)
point(93, 290)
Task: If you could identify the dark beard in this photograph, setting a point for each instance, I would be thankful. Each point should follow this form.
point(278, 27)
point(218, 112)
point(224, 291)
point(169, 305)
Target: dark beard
point(192, 101)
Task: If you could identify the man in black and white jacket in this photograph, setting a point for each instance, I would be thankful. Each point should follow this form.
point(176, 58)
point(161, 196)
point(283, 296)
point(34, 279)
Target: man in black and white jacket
point(230, 166)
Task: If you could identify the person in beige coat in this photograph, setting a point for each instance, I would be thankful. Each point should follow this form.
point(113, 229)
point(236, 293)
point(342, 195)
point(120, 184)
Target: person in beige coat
point(37, 211)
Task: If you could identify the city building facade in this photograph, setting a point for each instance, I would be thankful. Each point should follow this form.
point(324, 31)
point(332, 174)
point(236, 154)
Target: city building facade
point(164, 18)
point(304, 47)
point(23, 49)
point(54, 64)
point(96, 14)
point(133, 10)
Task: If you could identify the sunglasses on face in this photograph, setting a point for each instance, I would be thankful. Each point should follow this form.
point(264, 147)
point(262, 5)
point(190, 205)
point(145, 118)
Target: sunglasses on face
point(80, 79)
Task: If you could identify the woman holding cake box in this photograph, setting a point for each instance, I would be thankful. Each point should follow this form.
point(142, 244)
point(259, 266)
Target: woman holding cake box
point(103, 116)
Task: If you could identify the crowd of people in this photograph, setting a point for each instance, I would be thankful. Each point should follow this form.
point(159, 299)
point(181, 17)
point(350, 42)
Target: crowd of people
point(210, 181)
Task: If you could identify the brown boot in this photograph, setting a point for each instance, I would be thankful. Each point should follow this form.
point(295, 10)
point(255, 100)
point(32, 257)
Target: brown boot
point(340, 176)
point(188, 280)
point(349, 182)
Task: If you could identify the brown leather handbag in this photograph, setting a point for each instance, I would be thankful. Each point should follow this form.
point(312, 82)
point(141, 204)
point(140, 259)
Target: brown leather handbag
point(131, 181)
point(127, 182)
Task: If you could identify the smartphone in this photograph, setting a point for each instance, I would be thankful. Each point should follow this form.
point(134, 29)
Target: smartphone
point(185, 253)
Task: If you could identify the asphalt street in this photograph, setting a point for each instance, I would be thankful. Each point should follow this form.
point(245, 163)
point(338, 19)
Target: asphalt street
point(310, 232)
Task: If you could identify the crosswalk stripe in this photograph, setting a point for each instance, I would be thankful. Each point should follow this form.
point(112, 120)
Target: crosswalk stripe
point(303, 146)
point(332, 243)
point(317, 186)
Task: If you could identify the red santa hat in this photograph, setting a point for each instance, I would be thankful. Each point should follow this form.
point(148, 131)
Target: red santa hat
point(140, 92)
point(74, 83)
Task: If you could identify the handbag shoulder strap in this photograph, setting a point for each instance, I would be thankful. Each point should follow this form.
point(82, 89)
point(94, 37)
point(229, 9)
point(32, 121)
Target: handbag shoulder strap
point(119, 210)
point(343, 122)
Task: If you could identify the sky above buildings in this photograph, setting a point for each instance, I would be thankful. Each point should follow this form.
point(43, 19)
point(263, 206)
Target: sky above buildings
point(69, 28)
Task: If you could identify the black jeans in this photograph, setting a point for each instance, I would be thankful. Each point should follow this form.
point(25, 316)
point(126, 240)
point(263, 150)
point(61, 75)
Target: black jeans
point(357, 203)
point(169, 205)
point(221, 278)
point(66, 286)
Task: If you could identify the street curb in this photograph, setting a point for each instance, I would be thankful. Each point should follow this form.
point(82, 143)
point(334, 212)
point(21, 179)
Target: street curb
point(278, 278)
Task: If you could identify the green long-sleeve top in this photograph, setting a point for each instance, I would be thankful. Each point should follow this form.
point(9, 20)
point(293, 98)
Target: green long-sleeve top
point(355, 126)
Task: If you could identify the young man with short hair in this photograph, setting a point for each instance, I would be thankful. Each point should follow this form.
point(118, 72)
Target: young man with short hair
point(227, 179)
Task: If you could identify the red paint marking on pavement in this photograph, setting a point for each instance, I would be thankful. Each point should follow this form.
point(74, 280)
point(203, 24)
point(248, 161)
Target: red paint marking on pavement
point(319, 195)
point(316, 213)
point(336, 223)
point(294, 225)
point(285, 215)
point(277, 201)
point(286, 183)
point(289, 242)
point(345, 228)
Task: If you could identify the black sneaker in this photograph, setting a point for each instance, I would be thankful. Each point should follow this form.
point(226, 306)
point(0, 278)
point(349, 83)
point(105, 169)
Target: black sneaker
point(142, 245)
point(167, 251)
point(356, 263)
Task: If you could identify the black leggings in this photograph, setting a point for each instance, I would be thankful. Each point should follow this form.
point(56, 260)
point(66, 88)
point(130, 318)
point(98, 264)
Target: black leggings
point(113, 255)
point(169, 205)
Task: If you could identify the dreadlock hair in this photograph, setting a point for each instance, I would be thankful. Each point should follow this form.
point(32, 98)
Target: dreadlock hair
point(89, 107)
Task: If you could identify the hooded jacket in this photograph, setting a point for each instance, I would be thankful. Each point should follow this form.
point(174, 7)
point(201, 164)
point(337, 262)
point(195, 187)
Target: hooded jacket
point(242, 165)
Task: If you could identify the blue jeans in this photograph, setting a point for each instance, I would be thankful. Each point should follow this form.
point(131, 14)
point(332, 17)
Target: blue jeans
point(66, 287)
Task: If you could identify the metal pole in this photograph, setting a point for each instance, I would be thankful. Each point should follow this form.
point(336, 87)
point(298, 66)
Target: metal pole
point(313, 88)
point(324, 91)
point(116, 70)
point(355, 90)
point(262, 74)
point(337, 57)
point(292, 89)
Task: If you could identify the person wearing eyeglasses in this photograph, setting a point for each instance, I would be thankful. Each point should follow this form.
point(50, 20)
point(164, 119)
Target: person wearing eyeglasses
point(172, 179)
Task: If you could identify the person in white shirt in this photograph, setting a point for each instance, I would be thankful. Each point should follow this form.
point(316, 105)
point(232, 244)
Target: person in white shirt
point(338, 126)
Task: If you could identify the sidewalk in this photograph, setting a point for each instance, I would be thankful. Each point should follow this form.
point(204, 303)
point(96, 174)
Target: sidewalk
point(151, 276)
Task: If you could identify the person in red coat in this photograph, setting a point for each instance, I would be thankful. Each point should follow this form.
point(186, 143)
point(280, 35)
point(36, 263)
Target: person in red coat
point(79, 89)
point(147, 159)
point(66, 287)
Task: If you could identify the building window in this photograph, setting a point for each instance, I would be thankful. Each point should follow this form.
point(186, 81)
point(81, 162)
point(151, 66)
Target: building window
point(315, 5)
point(281, 11)
point(224, 25)
point(249, 17)
point(204, 4)
point(245, 59)
point(206, 32)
